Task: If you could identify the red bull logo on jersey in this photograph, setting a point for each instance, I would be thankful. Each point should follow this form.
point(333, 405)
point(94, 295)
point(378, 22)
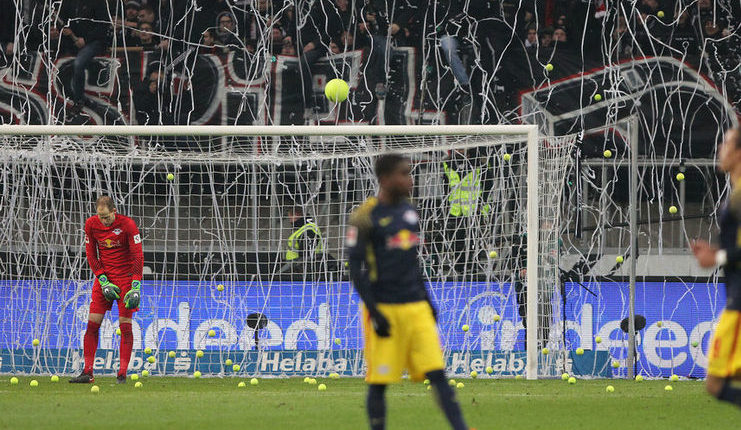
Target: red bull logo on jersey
point(404, 240)
point(108, 243)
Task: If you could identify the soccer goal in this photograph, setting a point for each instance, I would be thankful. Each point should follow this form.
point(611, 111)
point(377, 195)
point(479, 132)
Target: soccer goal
point(243, 232)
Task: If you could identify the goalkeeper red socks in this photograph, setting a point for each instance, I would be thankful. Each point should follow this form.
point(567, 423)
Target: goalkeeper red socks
point(127, 343)
point(90, 345)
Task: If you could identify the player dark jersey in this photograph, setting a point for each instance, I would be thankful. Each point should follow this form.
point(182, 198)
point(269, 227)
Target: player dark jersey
point(730, 241)
point(115, 250)
point(385, 238)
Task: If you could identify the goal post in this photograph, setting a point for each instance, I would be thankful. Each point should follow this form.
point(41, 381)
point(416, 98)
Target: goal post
point(217, 206)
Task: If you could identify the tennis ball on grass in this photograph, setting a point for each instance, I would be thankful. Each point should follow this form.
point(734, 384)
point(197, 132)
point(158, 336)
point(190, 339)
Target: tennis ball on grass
point(241, 385)
point(138, 385)
point(135, 377)
point(95, 389)
point(145, 373)
point(610, 389)
point(254, 381)
point(564, 376)
point(196, 374)
point(572, 380)
point(13, 381)
point(322, 387)
point(34, 383)
point(54, 378)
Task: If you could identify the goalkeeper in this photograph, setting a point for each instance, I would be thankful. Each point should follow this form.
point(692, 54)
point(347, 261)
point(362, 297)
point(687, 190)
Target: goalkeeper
point(114, 251)
point(399, 320)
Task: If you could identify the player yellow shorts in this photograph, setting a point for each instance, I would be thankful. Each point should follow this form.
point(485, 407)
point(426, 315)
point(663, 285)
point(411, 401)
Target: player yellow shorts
point(725, 350)
point(414, 343)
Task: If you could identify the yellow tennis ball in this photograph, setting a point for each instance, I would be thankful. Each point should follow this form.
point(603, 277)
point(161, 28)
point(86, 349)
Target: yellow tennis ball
point(211, 333)
point(615, 364)
point(493, 254)
point(474, 374)
point(672, 209)
point(171, 354)
point(572, 380)
point(546, 351)
point(619, 259)
point(34, 383)
point(506, 157)
point(598, 339)
point(639, 378)
point(549, 67)
point(660, 14)
point(607, 153)
point(95, 389)
point(151, 359)
point(337, 90)
point(170, 177)
point(465, 327)
point(36, 342)
point(564, 376)
point(254, 381)
point(597, 97)
point(145, 373)
point(668, 388)
point(579, 351)
point(135, 377)
point(489, 370)
point(199, 354)
point(236, 368)
point(196, 374)
point(241, 385)
point(459, 385)
point(138, 385)
point(610, 389)
point(228, 362)
point(322, 387)
point(680, 176)
point(220, 287)
point(118, 332)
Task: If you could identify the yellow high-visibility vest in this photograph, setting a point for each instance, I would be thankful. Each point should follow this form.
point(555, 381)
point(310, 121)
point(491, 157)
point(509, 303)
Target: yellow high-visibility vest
point(294, 244)
point(464, 194)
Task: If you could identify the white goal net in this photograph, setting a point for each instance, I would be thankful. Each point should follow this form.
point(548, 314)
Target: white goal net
point(243, 232)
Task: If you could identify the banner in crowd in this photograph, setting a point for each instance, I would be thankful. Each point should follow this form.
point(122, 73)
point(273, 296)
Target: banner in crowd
point(309, 327)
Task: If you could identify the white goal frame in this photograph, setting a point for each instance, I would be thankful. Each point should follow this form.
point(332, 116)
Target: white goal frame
point(530, 131)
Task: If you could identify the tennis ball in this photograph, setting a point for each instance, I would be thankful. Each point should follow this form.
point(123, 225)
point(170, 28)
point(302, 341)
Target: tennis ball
point(615, 364)
point(489, 370)
point(668, 388)
point(306, 379)
point(564, 376)
point(135, 377)
point(236, 367)
point(151, 359)
point(95, 389)
point(36, 342)
point(674, 378)
point(337, 341)
point(610, 389)
point(171, 354)
point(493, 254)
point(337, 90)
point(597, 97)
point(598, 339)
point(199, 353)
point(619, 259)
point(549, 67)
point(572, 380)
point(579, 351)
point(474, 374)
point(145, 373)
point(695, 343)
point(546, 351)
point(334, 375)
point(607, 153)
point(465, 327)
point(138, 385)
point(170, 177)
point(660, 14)
point(429, 387)
point(659, 323)
point(496, 317)
point(54, 378)
point(228, 362)
point(459, 385)
point(34, 383)
point(672, 209)
point(518, 377)
point(211, 333)
point(118, 331)
point(680, 177)
point(322, 387)
point(13, 381)
point(639, 378)
point(220, 287)
point(147, 350)
point(452, 382)
point(241, 385)
point(196, 374)
point(347, 263)
point(254, 381)
point(506, 157)
point(312, 381)
point(426, 382)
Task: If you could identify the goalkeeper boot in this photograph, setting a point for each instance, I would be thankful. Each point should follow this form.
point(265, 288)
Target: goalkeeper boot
point(84, 378)
point(121, 379)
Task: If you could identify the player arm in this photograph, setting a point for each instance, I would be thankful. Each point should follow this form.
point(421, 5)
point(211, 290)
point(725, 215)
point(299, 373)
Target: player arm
point(91, 250)
point(358, 239)
point(136, 252)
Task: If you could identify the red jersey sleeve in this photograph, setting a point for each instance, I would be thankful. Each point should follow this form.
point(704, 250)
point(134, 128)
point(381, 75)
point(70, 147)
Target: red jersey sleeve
point(91, 249)
point(135, 251)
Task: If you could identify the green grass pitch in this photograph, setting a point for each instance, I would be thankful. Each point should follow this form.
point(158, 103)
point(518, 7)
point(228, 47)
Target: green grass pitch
point(211, 403)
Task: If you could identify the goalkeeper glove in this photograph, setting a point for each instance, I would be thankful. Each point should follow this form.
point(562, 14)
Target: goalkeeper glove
point(380, 323)
point(110, 290)
point(131, 299)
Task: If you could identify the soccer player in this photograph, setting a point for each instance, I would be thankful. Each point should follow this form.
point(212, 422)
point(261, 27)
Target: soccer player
point(398, 318)
point(724, 360)
point(114, 251)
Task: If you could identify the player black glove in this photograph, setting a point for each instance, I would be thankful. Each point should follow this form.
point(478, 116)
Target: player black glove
point(131, 299)
point(110, 290)
point(380, 323)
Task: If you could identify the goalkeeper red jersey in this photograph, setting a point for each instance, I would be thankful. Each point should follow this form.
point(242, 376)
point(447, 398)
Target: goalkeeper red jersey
point(115, 250)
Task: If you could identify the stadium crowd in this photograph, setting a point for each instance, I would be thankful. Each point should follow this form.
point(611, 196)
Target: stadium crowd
point(472, 39)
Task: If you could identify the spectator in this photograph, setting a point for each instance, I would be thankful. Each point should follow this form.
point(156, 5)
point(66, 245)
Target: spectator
point(146, 38)
point(685, 38)
point(546, 38)
point(227, 33)
point(208, 42)
point(126, 31)
point(288, 48)
point(86, 24)
point(146, 14)
point(560, 38)
point(531, 41)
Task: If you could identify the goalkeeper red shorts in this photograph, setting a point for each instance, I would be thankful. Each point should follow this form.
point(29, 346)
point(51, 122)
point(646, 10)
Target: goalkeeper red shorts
point(99, 305)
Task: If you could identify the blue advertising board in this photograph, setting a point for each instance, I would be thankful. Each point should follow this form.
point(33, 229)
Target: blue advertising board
point(314, 328)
